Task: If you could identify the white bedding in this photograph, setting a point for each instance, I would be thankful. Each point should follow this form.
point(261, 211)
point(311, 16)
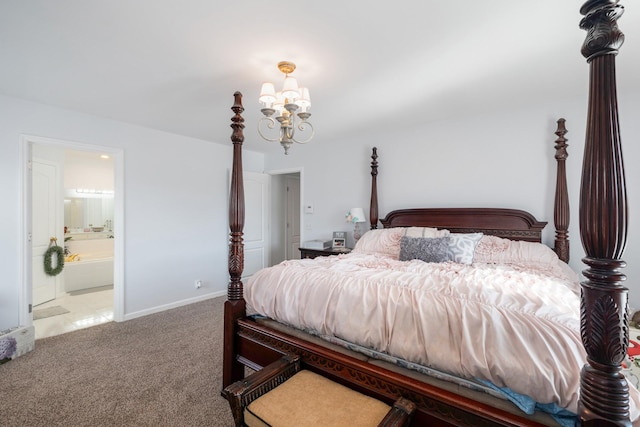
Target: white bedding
point(516, 325)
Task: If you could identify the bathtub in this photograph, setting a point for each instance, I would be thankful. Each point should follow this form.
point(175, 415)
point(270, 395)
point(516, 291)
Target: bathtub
point(88, 273)
point(95, 267)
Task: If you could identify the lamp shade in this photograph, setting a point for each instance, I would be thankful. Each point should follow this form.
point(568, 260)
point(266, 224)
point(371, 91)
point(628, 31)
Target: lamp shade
point(267, 94)
point(304, 101)
point(355, 215)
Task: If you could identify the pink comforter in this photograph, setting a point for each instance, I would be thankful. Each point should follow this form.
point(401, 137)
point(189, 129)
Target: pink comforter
point(514, 326)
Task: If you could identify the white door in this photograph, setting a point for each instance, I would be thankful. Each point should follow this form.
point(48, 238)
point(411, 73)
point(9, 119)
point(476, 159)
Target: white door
point(256, 232)
point(292, 226)
point(43, 228)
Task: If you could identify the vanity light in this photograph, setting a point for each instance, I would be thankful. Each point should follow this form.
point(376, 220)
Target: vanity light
point(92, 191)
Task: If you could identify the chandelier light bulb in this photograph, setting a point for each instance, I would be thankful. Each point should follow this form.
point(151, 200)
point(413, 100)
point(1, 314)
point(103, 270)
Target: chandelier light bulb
point(290, 88)
point(304, 101)
point(278, 105)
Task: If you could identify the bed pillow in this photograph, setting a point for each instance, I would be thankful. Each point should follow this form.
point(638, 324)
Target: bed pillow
point(385, 241)
point(434, 249)
point(462, 246)
point(497, 250)
point(424, 232)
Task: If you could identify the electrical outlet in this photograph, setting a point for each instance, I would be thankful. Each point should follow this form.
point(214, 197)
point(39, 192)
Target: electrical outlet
point(198, 284)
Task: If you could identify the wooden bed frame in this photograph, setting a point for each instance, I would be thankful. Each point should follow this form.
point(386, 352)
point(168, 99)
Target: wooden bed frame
point(604, 397)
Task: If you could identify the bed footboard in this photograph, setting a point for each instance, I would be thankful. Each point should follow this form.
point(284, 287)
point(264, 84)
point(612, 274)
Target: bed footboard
point(438, 403)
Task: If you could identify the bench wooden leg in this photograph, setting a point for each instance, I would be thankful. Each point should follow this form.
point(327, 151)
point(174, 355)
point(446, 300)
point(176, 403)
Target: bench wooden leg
point(400, 415)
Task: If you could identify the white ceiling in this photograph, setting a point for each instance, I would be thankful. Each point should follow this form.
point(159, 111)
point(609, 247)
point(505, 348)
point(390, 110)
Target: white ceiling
point(174, 65)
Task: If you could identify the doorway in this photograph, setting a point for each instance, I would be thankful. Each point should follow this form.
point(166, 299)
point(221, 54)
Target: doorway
point(64, 308)
point(286, 219)
point(292, 216)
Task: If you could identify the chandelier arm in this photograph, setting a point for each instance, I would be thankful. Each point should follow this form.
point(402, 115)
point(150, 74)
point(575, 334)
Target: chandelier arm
point(270, 123)
point(302, 127)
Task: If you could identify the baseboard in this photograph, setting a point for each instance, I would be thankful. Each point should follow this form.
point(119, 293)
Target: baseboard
point(175, 304)
point(17, 341)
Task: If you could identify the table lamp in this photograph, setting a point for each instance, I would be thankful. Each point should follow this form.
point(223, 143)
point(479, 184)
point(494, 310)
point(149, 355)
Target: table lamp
point(355, 216)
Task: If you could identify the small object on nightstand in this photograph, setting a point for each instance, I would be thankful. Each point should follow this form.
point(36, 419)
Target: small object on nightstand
point(317, 244)
point(339, 240)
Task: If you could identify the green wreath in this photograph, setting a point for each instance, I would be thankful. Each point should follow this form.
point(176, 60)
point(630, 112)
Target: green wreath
point(53, 249)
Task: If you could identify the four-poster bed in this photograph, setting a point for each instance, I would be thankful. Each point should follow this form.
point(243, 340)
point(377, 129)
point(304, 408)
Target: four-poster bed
point(604, 393)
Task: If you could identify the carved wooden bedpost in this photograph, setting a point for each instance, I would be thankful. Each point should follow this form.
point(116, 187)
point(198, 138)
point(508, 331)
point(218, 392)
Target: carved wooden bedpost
point(603, 227)
point(561, 208)
point(234, 307)
point(373, 206)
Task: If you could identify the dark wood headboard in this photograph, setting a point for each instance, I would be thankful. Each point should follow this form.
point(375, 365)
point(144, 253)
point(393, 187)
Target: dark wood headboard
point(508, 223)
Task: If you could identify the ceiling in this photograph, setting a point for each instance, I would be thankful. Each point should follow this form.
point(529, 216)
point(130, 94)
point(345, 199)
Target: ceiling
point(174, 65)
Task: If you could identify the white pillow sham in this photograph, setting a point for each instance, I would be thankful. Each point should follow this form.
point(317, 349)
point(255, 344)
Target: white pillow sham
point(386, 241)
point(430, 232)
point(497, 250)
point(462, 246)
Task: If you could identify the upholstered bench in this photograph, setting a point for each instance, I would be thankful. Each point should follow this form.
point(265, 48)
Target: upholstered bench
point(283, 395)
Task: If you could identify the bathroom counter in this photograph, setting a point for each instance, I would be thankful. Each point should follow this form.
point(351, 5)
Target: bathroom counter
point(89, 235)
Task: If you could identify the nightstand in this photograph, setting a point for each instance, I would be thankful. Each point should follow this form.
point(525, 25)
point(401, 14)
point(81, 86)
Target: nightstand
point(312, 253)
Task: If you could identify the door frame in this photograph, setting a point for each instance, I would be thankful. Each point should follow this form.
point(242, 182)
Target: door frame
point(300, 172)
point(289, 209)
point(26, 297)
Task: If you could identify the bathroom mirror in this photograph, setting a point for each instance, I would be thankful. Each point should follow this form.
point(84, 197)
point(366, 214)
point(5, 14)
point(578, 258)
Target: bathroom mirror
point(88, 214)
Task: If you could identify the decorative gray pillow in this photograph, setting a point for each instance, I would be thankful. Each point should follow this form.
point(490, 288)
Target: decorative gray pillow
point(423, 248)
point(462, 246)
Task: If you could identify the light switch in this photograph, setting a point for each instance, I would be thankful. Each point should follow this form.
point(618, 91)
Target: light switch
point(308, 209)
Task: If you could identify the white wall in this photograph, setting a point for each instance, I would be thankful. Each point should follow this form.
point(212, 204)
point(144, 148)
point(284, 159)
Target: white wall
point(503, 159)
point(176, 188)
point(87, 171)
point(175, 205)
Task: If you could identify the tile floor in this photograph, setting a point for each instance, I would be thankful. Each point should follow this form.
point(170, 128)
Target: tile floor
point(86, 309)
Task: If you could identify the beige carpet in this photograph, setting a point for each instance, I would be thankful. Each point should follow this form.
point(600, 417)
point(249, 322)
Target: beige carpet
point(159, 370)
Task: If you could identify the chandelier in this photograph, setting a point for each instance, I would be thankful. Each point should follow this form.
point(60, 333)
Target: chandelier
point(284, 105)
